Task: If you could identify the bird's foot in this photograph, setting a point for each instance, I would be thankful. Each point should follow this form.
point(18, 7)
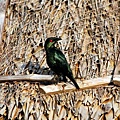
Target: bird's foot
point(55, 79)
point(62, 79)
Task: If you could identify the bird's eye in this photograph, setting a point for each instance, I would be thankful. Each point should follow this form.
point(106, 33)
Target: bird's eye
point(51, 40)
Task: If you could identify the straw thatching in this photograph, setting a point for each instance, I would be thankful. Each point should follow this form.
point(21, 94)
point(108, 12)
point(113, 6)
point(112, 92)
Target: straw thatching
point(91, 43)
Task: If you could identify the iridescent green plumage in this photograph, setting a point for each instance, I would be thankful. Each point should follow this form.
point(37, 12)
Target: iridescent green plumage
point(56, 60)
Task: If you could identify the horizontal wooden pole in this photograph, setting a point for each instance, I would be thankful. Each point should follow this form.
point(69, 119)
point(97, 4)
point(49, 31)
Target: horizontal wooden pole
point(31, 77)
point(92, 83)
point(86, 84)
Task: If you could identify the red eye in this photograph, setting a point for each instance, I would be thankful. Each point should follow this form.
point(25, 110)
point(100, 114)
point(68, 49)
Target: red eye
point(51, 40)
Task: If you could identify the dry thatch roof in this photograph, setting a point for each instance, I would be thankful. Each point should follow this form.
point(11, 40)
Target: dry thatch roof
point(26, 101)
point(89, 30)
point(90, 33)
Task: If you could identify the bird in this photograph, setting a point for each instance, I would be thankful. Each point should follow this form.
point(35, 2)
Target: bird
point(56, 60)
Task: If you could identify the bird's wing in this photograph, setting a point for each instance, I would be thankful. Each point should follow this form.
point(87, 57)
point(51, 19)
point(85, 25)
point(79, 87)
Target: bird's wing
point(61, 61)
point(60, 57)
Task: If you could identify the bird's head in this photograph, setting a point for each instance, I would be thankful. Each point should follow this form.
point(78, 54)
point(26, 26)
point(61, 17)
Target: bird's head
point(50, 42)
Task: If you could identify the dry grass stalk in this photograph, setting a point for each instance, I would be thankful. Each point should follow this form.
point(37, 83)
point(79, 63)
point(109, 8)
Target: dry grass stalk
point(88, 29)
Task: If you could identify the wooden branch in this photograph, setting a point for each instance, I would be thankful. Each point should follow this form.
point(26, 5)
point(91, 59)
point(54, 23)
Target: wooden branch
point(92, 83)
point(86, 84)
point(31, 77)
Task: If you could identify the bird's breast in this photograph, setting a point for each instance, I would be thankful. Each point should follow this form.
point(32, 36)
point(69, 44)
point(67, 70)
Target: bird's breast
point(51, 58)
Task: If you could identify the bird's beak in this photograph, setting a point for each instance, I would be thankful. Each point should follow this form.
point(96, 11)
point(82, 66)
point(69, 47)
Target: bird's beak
point(57, 39)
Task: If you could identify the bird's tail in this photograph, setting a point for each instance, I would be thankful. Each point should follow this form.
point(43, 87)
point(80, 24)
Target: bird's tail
point(75, 83)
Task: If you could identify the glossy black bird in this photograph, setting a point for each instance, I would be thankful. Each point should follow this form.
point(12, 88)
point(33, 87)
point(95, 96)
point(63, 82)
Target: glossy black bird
point(56, 60)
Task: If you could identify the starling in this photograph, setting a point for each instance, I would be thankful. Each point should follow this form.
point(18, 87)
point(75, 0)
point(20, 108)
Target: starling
point(56, 60)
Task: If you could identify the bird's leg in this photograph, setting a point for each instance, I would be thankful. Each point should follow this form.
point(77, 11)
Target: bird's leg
point(59, 78)
point(55, 79)
point(62, 78)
